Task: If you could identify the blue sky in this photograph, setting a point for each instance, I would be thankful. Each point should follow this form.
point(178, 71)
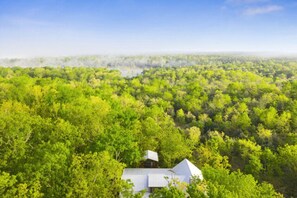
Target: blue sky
point(30, 28)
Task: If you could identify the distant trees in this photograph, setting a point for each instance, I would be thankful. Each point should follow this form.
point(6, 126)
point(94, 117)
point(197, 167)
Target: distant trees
point(70, 131)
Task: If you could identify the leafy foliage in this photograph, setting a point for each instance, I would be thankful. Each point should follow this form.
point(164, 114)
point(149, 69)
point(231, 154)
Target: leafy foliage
point(69, 132)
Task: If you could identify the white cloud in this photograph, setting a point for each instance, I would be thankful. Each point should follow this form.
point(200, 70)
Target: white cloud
point(262, 10)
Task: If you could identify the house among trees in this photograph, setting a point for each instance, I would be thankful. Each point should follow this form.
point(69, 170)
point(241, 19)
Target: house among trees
point(150, 178)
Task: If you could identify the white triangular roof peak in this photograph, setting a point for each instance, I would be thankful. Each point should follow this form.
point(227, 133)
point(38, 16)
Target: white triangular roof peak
point(151, 155)
point(188, 169)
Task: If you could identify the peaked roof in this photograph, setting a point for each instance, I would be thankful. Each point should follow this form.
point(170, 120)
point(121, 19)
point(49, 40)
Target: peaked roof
point(151, 155)
point(144, 178)
point(186, 167)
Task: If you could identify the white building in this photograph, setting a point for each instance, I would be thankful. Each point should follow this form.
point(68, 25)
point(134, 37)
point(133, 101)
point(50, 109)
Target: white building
point(152, 178)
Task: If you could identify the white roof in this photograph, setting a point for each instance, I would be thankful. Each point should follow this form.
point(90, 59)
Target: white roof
point(162, 180)
point(151, 155)
point(187, 169)
point(157, 180)
point(144, 178)
point(145, 171)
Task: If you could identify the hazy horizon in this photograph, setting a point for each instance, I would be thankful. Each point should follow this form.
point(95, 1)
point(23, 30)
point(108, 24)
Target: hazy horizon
point(54, 28)
point(168, 53)
point(156, 53)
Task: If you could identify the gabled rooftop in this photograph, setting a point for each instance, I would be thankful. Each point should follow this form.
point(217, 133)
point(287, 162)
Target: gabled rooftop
point(147, 178)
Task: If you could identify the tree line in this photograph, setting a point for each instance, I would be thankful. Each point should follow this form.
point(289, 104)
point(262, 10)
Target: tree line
point(70, 132)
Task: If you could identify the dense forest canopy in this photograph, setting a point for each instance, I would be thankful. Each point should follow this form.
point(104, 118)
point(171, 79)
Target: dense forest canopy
point(70, 131)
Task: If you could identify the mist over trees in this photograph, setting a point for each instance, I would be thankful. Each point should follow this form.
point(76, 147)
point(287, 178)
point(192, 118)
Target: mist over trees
point(142, 61)
point(70, 131)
